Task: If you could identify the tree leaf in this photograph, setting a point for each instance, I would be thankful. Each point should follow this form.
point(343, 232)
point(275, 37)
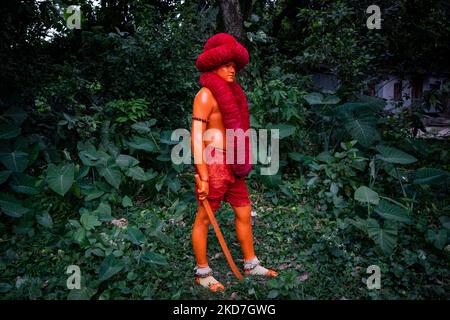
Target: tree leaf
point(135, 235)
point(9, 131)
point(437, 238)
point(126, 202)
point(23, 183)
point(4, 175)
point(154, 258)
point(137, 173)
point(366, 195)
point(286, 130)
point(15, 161)
point(392, 212)
point(17, 114)
point(445, 222)
point(143, 126)
point(126, 161)
point(430, 176)
point(111, 175)
point(141, 143)
point(88, 157)
point(394, 155)
point(385, 238)
point(314, 98)
point(362, 131)
point(11, 206)
point(109, 267)
point(45, 219)
point(60, 178)
point(92, 194)
point(89, 221)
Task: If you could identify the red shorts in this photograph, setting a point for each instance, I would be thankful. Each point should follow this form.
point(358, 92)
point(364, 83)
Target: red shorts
point(223, 184)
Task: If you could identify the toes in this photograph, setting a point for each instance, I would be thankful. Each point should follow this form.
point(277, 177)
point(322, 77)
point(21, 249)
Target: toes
point(272, 273)
point(217, 287)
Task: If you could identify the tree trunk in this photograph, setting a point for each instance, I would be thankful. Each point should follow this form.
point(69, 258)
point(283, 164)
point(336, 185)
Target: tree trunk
point(232, 18)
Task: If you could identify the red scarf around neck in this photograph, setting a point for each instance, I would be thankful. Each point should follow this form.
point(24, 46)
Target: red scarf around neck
point(234, 109)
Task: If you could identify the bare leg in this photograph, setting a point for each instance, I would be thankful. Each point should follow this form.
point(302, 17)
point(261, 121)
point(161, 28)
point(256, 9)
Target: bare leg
point(245, 236)
point(199, 243)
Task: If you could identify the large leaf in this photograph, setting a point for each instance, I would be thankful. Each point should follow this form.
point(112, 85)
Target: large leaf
point(314, 98)
point(9, 131)
point(109, 267)
point(362, 131)
point(4, 175)
point(366, 195)
point(45, 219)
point(445, 222)
point(137, 173)
point(394, 155)
point(11, 206)
point(385, 237)
point(89, 221)
point(15, 161)
point(88, 157)
point(141, 143)
point(126, 161)
point(430, 176)
point(135, 235)
point(437, 238)
point(112, 175)
point(60, 178)
point(154, 258)
point(285, 129)
point(17, 114)
point(392, 212)
point(92, 194)
point(23, 183)
point(144, 126)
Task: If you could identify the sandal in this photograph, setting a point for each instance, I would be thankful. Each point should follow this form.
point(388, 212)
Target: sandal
point(214, 287)
point(202, 273)
point(252, 264)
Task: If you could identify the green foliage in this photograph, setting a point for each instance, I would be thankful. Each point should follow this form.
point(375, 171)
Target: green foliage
point(85, 141)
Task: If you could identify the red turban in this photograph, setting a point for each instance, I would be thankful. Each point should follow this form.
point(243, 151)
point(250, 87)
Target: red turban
point(219, 49)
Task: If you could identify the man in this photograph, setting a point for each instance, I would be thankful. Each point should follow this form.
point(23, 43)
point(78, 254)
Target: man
point(219, 105)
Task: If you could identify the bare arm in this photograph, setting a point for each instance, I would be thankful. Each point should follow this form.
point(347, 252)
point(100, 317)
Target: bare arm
point(203, 106)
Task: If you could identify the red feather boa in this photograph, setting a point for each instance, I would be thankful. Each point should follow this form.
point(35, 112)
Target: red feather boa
point(234, 108)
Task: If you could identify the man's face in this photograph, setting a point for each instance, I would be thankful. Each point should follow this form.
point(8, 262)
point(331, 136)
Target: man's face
point(227, 71)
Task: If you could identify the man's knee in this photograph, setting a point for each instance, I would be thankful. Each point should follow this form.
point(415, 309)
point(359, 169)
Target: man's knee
point(244, 216)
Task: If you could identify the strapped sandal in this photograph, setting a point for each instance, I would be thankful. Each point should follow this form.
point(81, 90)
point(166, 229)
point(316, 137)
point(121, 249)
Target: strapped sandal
point(214, 287)
point(207, 272)
point(252, 264)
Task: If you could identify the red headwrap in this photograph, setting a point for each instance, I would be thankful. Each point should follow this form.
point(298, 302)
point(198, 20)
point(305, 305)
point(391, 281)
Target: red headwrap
point(218, 50)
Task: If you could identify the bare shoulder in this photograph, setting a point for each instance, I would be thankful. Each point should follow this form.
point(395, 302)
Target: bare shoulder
point(205, 97)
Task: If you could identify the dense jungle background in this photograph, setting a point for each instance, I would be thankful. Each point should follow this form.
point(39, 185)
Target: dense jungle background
point(85, 140)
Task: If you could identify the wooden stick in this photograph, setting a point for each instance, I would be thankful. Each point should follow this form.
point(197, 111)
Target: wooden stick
point(219, 235)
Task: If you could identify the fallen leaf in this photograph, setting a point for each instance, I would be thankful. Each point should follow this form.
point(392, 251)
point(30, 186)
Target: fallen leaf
point(303, 277)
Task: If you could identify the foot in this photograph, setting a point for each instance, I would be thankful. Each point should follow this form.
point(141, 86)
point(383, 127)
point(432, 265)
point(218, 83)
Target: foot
point(210, 283)
point(252, 267)
point(204, 278)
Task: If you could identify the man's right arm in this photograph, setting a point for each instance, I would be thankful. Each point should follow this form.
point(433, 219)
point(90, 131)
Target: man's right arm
point(203, 105)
